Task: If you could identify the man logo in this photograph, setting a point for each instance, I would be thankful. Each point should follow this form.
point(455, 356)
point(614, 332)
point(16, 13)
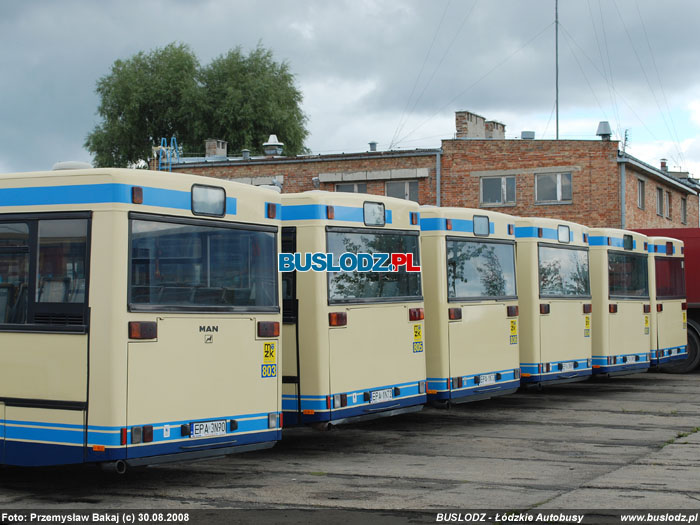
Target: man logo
point(208, 329)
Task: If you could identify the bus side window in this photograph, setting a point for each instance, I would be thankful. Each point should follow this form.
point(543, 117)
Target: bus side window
point(14, 272)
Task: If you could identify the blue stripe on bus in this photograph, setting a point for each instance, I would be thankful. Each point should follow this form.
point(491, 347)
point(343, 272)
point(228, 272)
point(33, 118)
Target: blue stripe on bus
point(601, 365)
point(660, 248)
point(666, 355)
point(443, 383)
point(537, 376)
point(100, 194)
point(429, 224)
point(311, 212)
point(493, 389)
point(528, 232)
point(615, 242)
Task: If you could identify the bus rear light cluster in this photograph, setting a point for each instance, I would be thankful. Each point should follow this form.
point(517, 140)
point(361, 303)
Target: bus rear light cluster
point(659, 307)
point(456, 382)
point(477, 380)
point(338, 319)
point(548, 367)
point(421, 387)
point(585, 238)
point(455, 314)
point(271, 210)
point(340, 400)
point(185, 430)
point(414, 218)
point(646, 246)
point(233, 425)
point(669, 248)
point(273, 420)
point(397, 391)
point(416, 314)
point(516, 373)
point(512, 311)
point(511, 229)
point(330, 212)
point(143, 330)
point(268, 329)
point(544, 309)
point(142, 434)
point(609, 241)
point(122, 435)
point(647, 308)
point(587, 308)
point(684, 306)
point(612, 308)
point(540, 232)
point(448, 224)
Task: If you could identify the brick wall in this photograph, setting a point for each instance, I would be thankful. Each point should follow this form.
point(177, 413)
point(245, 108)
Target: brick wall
point(595, 180)
point(647, 217)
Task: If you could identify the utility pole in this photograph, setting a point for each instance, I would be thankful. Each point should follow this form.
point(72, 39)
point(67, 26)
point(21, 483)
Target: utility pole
point(556, 55)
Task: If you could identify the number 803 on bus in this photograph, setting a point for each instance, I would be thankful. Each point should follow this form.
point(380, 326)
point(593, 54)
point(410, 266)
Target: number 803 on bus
point(268, 371)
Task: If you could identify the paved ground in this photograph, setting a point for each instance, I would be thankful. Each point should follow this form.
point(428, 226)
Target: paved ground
point(628, 442)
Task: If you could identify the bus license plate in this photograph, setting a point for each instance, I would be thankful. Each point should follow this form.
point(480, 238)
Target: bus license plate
point(487, 379)
point(382, 395)
point(567, 367)
point(209, 428)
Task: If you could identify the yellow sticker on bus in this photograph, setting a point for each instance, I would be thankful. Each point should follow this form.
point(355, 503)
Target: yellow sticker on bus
point(587, 326)
point(513, 331)
point(417, 332)
point(269, 352)
point(646, 325)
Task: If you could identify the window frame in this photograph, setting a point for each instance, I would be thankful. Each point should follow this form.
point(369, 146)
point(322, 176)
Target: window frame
point(563, 247)
point(656, 284)
point(504, 192)
point(559, 199)
point(233, 225)
point(667, 204)
point(684, 210)
point(659, 201)
point(406, 190)
point(641, 257)
point(353, 184)
point(641, 188)
point(34, 306)
point(373, 300)
point(449, 238)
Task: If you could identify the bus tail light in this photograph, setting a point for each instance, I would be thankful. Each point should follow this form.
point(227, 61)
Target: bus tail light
point(268, 329)
point(421, 387)
point(272, 420)
point(137, 195)
point(684, 306)
point(448, 224)
point(143, 330)
point(659, 307)
point(511, 229)
point(516, 373)
point(330, 212)
point(455, 314)
point(548, 367)
point(271, 210)
point(328, 402)
point(647, 308)
point(669, 248)
point(585, 238)
point(414, 218)
point(416, 314)
point(147, 433)
point(587, 308)
point(544, 309)
point(123, 436)
point(338, 319)
point(397, 391)
point(512, 311)
point(646, 246)
point(456, 382)
point(609, 242)
point(612, 308)
point(232, 425)
point(336, 401)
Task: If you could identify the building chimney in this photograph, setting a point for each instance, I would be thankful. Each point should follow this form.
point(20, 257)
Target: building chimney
point(215, 148)
point(664, 165)
point(273, 146)
point(245, 154)
point(373, 146)
point(469, 125)
point(495, 130)
point(604, 131)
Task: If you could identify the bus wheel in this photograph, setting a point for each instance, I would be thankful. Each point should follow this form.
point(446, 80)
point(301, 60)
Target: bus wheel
point(693, 359)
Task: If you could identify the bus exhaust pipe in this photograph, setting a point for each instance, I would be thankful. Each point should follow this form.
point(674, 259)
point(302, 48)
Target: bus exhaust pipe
point(118, 467)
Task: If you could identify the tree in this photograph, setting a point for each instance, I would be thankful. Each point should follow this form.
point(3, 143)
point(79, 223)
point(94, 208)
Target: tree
point(166, 92)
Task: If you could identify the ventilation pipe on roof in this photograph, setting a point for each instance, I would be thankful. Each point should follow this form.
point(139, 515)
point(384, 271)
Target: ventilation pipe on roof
point(604, 131)
point(273, 146)
point(664, 165)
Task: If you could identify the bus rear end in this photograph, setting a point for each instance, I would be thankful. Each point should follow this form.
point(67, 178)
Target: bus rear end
point(358, 334)
point(669, 321)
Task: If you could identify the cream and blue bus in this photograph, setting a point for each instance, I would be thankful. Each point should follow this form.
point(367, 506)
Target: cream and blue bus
point(554, 295)
point(471, 304)
point(354, 344)
point(621, 304)
point(139, 317)
point(669, 316)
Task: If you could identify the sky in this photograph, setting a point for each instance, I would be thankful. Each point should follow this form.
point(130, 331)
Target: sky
point(393, 72)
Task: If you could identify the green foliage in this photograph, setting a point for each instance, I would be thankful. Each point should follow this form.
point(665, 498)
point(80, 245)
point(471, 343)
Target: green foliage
point(237, 98)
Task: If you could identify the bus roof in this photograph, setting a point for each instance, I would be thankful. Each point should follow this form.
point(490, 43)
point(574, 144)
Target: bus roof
point(434, 219)
point(614, 238)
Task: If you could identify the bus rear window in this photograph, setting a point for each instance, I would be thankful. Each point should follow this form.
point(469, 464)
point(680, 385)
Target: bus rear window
point(479, 269)
point(627, 275)
point(177, 265)
point(670, 278)
point(364, 287)
point(563, 272)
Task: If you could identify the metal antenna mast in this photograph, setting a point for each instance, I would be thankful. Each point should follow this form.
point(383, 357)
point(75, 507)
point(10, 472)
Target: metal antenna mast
point(556, 54)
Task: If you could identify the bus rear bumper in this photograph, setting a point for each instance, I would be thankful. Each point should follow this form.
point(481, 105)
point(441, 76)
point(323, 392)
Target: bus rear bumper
point(668, 355)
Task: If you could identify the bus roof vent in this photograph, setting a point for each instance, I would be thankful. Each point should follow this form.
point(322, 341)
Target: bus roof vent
point(71, 165)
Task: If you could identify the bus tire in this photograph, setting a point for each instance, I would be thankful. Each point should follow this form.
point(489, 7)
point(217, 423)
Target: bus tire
point(691, 362)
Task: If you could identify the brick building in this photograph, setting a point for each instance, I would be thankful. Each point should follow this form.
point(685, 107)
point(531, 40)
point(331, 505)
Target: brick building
point(585, 181)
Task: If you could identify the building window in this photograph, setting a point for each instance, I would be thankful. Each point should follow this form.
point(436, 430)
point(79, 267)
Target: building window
point(352, 187)
point(497, 190)
point(640, 194)
point(553, 187)
point(684, 210)
point(668, 204)
point(659, 202)
point(403, 189)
